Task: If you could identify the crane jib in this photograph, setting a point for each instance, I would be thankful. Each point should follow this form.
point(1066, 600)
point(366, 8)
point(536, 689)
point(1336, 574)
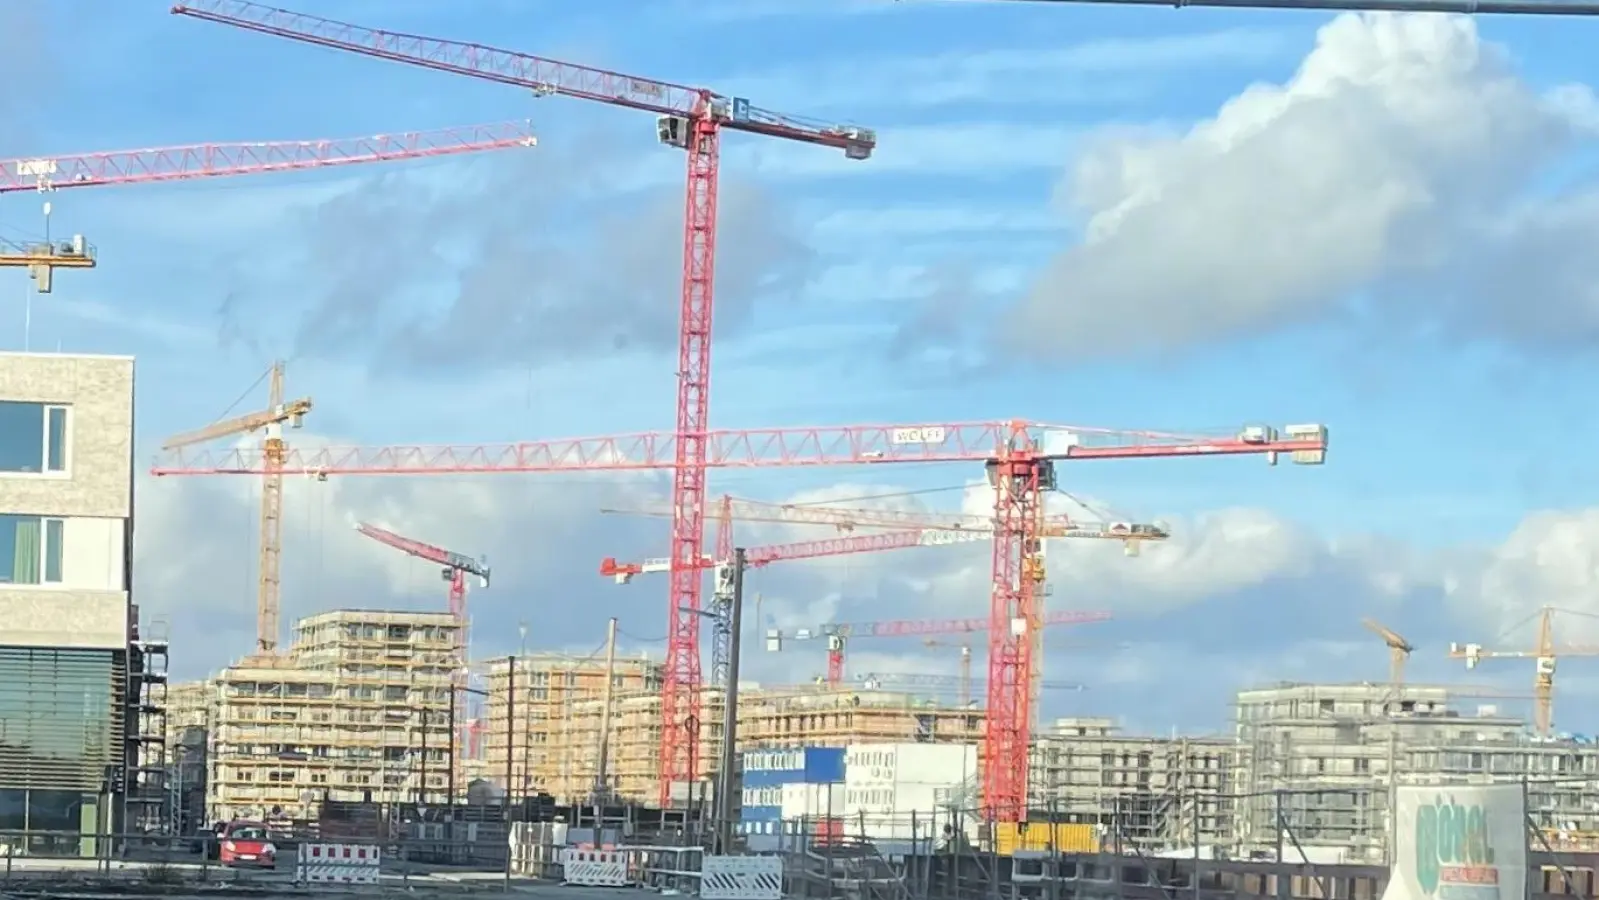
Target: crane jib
point(465, 564)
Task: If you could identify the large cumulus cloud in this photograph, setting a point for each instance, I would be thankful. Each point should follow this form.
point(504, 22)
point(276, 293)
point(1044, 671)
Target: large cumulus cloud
point(1400, 177)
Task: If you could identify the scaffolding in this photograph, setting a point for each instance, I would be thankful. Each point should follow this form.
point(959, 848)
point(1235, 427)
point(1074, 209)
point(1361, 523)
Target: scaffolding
point(147, 797)
point(1157, 793)
point(548, 687)
point(358, 709)
point(189, 710)
point(559, 754)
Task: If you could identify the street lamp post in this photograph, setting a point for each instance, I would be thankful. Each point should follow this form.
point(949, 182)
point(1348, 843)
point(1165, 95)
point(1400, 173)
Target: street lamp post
point(449, 828)
point(726, 808)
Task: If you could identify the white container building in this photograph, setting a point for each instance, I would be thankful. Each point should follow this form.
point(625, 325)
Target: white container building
point(903, 792)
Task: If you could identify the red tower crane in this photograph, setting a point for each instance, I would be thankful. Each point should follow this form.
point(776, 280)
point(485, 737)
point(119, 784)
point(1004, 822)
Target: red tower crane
point(455, 568)
point(959, 527)
point(691, 119)
point(1019, 455)
point(838, 634)
point(757, 557)
point(932, 528)
point(845, 519)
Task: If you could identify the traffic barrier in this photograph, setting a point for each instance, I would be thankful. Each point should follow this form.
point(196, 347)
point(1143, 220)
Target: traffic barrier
point(338, 864)
point(741, 878)
point(593, 868)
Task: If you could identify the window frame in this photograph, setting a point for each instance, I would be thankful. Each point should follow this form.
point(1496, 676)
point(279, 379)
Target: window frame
point(65, 450)
point(45, 530)
point(47, 409)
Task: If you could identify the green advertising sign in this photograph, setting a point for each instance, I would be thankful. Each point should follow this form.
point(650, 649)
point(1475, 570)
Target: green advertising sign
point(1450, 834)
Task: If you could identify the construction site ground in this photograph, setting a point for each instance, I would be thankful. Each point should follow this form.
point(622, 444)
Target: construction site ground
point(82, 879)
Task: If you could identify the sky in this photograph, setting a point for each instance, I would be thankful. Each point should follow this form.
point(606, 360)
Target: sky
point(1127, 218)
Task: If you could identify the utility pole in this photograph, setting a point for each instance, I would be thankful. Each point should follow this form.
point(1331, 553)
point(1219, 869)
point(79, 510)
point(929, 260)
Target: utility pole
point(449, 802)
point(510, 731)
point(601, 791)
point(730, 576)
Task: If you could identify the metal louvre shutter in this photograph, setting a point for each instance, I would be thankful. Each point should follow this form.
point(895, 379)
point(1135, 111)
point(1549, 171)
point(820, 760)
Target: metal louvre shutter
point(61, 717)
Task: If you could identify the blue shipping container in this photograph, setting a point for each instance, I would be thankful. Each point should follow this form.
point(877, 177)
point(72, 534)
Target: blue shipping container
point(799, 765)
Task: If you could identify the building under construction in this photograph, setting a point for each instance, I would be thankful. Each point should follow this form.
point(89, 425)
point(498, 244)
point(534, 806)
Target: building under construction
point(1324, 758)
point(358, 708)
point(1146, 792)
point(559, 713)
point(546, 690)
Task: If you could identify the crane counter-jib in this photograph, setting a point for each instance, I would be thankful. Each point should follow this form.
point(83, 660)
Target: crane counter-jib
point(823, 446)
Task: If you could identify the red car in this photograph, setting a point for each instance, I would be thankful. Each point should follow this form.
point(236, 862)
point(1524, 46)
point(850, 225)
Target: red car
point(246, 844)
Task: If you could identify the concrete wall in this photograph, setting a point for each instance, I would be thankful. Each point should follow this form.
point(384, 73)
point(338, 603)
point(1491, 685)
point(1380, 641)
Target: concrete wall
point(93, 497)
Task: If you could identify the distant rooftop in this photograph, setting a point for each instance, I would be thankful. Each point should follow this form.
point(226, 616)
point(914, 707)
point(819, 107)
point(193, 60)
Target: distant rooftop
point(31, 354)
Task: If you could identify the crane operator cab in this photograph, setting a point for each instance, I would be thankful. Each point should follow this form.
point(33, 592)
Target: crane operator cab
point(674, 131)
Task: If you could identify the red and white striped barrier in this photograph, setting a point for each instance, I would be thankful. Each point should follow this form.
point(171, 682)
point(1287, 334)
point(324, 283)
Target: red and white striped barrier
point(593, 868)
point(338, 864)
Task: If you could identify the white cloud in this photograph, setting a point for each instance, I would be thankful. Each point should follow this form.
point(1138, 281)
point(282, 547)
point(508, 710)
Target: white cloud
point(1395, 164)
point(1550, 559)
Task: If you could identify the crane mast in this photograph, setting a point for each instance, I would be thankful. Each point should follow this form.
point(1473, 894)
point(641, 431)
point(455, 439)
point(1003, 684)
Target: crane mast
point(273, 454)
point(1545, 653)
point(690, 119)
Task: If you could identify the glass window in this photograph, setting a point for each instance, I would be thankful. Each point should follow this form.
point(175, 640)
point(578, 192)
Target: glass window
point(55, 820)
point(54, 529)
point(59, 726)
point(33, 437)
point(30, 549)
point(13, 812)
point(55, 439)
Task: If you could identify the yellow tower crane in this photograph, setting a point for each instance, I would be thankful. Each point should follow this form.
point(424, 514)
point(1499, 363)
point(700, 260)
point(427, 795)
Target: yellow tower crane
point(1399, 650)
point(41, 259)
point(1543, 656)
point(271, 421)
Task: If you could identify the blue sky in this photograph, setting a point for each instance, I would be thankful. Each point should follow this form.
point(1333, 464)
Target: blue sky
point(1005, 254)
